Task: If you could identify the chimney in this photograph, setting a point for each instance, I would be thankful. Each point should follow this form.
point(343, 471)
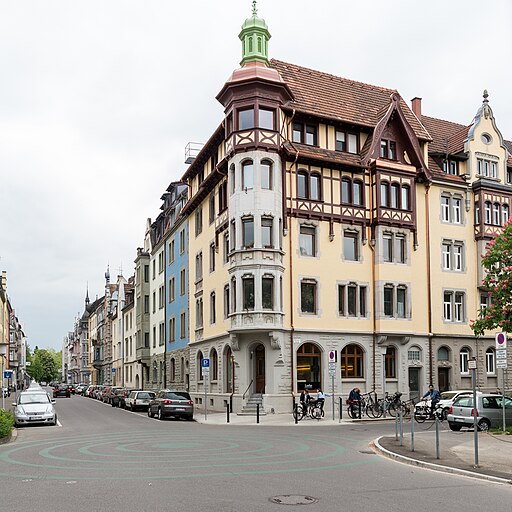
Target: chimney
point(416, 106)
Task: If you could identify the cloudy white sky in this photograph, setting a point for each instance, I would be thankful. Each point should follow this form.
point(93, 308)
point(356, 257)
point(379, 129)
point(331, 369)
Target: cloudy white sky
point(98, 99)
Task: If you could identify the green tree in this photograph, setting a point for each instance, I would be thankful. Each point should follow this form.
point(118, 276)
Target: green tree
point(497, 263)
point(44, 365)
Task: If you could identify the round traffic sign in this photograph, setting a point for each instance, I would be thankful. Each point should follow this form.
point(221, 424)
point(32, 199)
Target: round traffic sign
point(500, 338)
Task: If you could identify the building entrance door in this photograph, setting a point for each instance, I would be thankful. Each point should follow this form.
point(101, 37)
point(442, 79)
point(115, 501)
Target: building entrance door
point(443, 379)
point(414, 383)
point(259, 368)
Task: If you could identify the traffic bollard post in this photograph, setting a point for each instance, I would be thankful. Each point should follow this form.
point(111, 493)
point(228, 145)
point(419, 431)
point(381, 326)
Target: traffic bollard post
point(227, 412)
point(257, 413)
point(401, 428)
point(437, 437)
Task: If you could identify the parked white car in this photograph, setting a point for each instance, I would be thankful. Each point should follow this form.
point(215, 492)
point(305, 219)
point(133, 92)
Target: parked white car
point(33, 407)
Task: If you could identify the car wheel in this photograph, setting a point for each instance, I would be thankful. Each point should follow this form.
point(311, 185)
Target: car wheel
point(159, 414)
point(444, 414)
point(150, 414)
point(484, 425)
point(454, 426)
point(132, 408)
point(189, 418)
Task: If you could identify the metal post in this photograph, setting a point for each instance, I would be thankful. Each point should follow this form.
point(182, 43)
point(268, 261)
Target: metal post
point(2, 386)
point(227, 412)
point(412, 430)
point(503, 398)
point(359, 409)
point(257, 413)
point(437, 437)
point(295, 413)
point(205, 380)
point(401, 428)
point(341, 408)
point(396, 427)
point(475, 415)
point(332, 392)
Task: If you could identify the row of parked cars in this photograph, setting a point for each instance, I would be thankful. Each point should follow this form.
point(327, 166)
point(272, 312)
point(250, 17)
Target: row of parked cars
point(162, 404)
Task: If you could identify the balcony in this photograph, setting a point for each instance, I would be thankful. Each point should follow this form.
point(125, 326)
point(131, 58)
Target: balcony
point(252, 321)
point(142, 353)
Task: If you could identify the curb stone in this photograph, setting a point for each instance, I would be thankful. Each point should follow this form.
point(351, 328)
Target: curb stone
point(378, 448)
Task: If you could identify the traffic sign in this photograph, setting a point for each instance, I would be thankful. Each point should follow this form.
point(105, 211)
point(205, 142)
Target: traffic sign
point(501, 363)
point(113, 370)
point(501, 340)
point(7, 374)
point(501, 353)
point(472, 364)
point(205, 363)
point(332, 356)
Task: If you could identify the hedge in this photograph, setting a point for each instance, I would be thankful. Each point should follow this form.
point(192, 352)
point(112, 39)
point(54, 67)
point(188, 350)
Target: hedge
point(6, 423)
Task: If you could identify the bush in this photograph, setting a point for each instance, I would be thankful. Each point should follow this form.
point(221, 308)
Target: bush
point(6, 423)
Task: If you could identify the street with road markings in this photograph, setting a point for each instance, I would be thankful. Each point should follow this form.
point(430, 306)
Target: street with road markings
point(105, 458)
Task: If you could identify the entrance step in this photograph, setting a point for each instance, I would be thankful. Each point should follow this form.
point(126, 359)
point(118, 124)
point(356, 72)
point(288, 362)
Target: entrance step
point(250, 408)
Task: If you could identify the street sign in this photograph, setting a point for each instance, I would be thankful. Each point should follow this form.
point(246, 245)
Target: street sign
point(501, 340)
point(205, 363)
point(7, 374)
point(472, 364)
point(332, 356)
point(501, 353)
point(113, 370)
point(501, 363)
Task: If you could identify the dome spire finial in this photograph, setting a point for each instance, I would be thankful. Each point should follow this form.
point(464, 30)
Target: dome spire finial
point(486, 95)
point(254, 37)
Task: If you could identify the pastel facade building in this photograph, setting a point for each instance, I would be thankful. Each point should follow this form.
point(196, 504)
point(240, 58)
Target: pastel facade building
point(327, 215)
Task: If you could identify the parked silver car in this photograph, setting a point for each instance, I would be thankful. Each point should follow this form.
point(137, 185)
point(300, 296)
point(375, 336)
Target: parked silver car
point(489, 411)
point(139, 400)
point(33, 407)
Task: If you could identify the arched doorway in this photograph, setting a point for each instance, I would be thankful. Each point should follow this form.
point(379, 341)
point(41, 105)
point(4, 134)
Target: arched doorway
point(259, 368)
point(228, 371)
point(309, 367)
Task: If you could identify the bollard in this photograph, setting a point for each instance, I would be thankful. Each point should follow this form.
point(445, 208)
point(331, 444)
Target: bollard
point(227, 412)
point(359, 407)
point(396, 427)
point(412, 429)
point(341, 408)
point(437, 437)
point(257, 413)
point(295, 413)
point(401, 428)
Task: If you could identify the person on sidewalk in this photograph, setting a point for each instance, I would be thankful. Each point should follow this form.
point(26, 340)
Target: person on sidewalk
point(304, 398)
point(354, 399)
point(320, 397)
point(434, 396)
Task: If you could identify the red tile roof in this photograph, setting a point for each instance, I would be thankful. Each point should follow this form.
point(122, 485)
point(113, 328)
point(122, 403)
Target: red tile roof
point(323, 155)
point(337, 98)
point(446, 135)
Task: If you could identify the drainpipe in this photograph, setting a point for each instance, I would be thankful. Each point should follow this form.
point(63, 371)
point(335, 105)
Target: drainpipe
point(429, 286)
point(374, 292)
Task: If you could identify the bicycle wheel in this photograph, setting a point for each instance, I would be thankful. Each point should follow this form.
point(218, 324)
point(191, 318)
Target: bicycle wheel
point(421, 414)
point(376, 409)
point(393, 409)
point(315, 412)
point(352, 412)
point(298, 412)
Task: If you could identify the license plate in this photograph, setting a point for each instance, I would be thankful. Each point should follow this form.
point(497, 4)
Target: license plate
point(179, 409)
point(458, 419)
point(33, 418)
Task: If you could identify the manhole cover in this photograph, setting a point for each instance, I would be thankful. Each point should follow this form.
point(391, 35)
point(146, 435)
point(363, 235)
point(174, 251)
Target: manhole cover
point(293, 499)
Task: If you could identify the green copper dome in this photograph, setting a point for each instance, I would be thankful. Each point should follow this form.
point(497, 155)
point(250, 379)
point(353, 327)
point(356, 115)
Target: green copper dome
point(254, 37)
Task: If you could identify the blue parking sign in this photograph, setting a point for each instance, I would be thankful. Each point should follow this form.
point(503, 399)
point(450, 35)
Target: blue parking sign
point(205, 363)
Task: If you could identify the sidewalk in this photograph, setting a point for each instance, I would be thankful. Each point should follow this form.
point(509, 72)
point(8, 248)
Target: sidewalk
point(456, 453)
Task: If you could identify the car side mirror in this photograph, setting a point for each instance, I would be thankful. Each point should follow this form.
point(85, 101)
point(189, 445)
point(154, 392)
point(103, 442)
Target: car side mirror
point(54, 401)
point(14, 404)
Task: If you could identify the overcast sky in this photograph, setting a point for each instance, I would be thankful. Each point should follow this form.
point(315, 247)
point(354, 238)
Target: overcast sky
point(98, 99)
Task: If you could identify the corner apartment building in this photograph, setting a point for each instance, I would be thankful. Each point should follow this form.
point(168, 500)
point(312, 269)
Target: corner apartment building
point(327, 215)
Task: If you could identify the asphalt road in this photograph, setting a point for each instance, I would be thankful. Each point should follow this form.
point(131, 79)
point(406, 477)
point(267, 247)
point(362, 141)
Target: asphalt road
point(106, 459)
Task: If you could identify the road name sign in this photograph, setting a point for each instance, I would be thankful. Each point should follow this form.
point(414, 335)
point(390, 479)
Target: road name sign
point(501, 340)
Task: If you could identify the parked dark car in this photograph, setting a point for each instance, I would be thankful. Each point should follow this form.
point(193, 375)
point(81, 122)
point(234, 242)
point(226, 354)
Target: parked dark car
point(108, 393)
point(71, 388)
point(116, 395)
point(61, 390)
point(177, 404)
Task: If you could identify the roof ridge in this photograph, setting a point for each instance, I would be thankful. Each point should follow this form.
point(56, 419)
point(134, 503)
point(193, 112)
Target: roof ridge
point(378, 87)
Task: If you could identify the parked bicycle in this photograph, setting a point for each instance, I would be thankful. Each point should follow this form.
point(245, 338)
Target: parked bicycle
point(311, 409)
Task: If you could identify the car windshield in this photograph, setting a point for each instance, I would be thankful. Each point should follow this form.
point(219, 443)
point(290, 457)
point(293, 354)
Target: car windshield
point(174, 396)
point(146, 395)
point(36, 398)
point(448, 395)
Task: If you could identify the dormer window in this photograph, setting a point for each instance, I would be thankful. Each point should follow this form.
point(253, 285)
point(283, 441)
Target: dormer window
point(304, 134)
point(346, 142)
point(451, 167)
point(487, 168)
point(388, 149)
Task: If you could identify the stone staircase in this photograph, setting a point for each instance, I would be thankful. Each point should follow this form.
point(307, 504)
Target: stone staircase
point(249, 409)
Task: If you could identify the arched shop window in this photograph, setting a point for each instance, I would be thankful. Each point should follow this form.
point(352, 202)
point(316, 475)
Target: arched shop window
point(352, 359)
point(309, 367)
